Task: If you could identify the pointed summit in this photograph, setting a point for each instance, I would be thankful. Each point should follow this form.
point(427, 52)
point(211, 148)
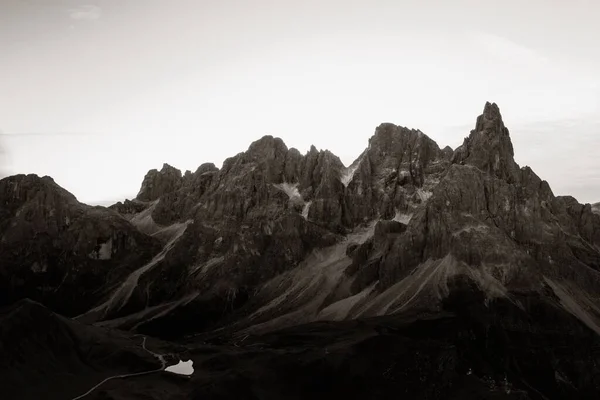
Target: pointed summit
point(156, 183)
point(490, 120)
point(168, 169)
point(489, 147)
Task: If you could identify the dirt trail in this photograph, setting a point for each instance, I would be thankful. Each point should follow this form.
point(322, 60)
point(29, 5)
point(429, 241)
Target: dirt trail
point(160, 357)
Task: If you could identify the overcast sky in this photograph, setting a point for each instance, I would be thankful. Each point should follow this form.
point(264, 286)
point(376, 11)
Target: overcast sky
point(96, 94)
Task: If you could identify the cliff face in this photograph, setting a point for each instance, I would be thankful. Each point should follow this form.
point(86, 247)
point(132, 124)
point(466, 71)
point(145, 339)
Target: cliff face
point(58, 251)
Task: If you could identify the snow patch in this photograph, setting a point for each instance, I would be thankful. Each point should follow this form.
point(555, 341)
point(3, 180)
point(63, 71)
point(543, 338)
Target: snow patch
point(182, 368)
point(104, 252)
point(403, 173)
point(305, 209)
point(424, 195)
point(291, 189)
point(402, 218)
point(294, 195)
point(348, 174)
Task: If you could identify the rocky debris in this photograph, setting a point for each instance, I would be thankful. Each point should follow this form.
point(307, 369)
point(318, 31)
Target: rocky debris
point(157, 183)
point(366, 258)
point(596, 208)
point(224, 270)
point(58, 251)
point(470, 350)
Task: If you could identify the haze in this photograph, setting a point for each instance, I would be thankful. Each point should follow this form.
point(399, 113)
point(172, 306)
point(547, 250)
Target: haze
point(95, 95)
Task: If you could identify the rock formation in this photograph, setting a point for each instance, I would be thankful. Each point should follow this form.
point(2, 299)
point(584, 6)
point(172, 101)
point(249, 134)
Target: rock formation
point(442, 215)
point(275, 239)
point(60, 252)
point(157, 183)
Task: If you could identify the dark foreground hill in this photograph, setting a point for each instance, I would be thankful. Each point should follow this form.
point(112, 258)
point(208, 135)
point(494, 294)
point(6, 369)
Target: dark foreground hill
point(469, 350)
point(44, 355)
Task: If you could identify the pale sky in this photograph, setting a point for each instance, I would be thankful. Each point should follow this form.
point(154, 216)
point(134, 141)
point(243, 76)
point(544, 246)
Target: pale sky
point(96, 94)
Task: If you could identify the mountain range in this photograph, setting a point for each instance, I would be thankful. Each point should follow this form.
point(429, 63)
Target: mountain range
point(417, 271)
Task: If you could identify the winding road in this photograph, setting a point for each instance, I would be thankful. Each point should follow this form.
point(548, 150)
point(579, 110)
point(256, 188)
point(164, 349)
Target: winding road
point(160, 357)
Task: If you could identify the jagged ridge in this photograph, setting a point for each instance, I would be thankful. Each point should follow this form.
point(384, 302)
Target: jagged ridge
point(275, 237)
point(471, 212)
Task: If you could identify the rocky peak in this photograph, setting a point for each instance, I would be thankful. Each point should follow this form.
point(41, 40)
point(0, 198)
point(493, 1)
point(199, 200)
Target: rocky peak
point(19, 189)
point(448, 152)
point(267, 147)
point(490, 120)
point(157, 183)
point(206, 167)
point(388, 133)
point(167, 169)
point(60, 251)
point(399, 169)
point(393, 145)
point(489, 147)
point(30, 204)
point(266, 155)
